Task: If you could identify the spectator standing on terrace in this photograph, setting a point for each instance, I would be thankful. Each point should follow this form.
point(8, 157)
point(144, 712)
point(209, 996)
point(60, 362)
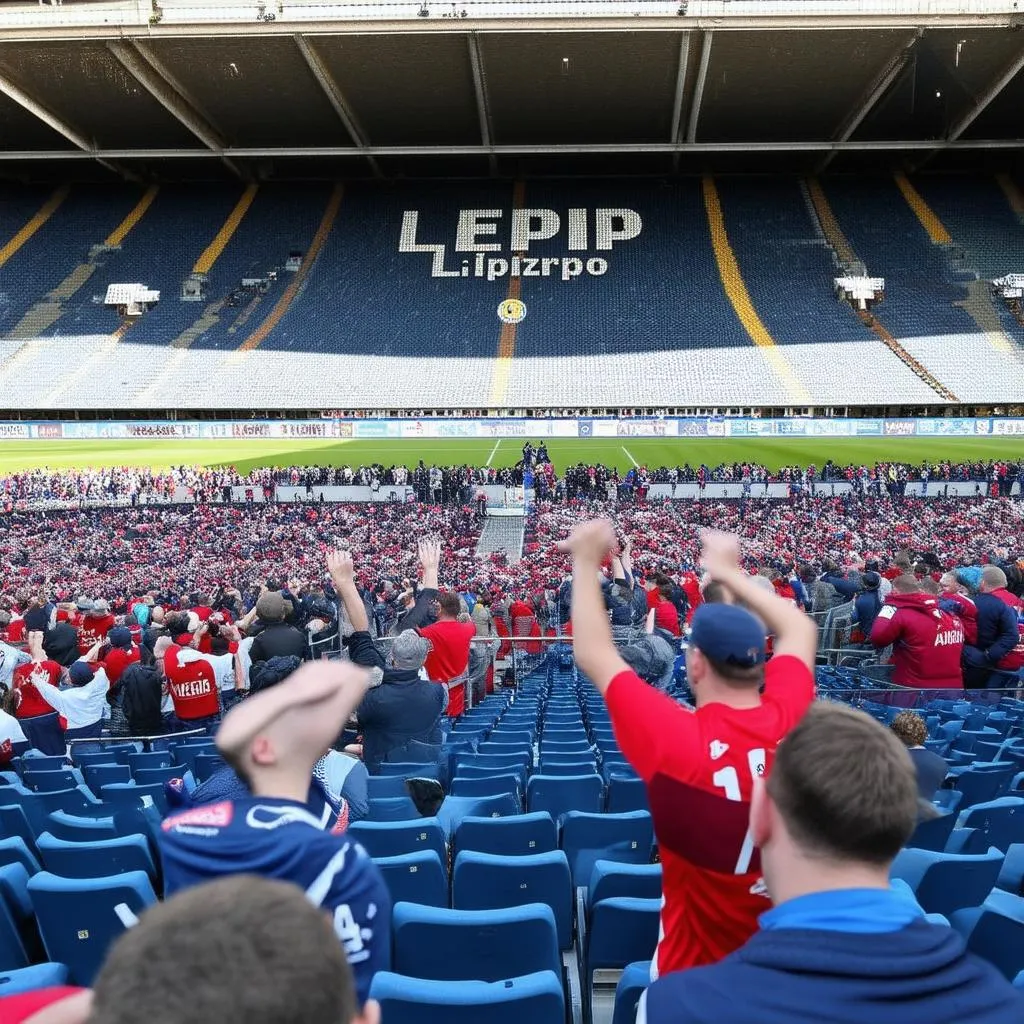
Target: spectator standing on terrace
point(840, 944)
point(399, 718)
point(278, 639)
point(449, 637)
point(272, 741)
point(1000, 637)
point(926, 641)
point(700, 767)
point(96, 623)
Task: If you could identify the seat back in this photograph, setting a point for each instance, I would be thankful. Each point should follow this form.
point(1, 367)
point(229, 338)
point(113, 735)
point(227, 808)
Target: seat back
point(415, 878)
point(995, 932)
point(77, 829)
point(50, 781)
point(13, 895)
point(537, 998)
point(945, 882)
point(558, 795)
point(13, 850)
point(516, 836)
point(29, 979)
point(933, 833)
point(96, 859)
point(394, 838)
point(99, 775)
point(622, 929)
point(587, 838)
point(486, 945)
point(385, 787)
point(608, 879)
point(635, 979)
point(492, 785)
point(483, 881)
point(79, 918)
point(1001, 820)
point(392, 808)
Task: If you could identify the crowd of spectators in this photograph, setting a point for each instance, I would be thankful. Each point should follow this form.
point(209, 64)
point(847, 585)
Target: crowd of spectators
point(456, 484)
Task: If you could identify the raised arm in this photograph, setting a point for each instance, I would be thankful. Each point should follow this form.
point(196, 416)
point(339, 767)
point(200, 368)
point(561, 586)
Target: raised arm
point(430, 560)
point(593, 647)
point(795, 633)
point(342, 570)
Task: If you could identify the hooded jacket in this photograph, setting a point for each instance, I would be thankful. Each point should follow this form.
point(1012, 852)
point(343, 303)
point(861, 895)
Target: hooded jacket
point(999, 632)
point(920, 974)
point(141, 697)
point(927, 642)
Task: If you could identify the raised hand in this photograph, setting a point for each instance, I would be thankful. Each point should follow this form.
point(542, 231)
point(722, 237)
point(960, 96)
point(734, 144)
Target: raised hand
point(341, 567)
point(720, 553)
point(591, 542)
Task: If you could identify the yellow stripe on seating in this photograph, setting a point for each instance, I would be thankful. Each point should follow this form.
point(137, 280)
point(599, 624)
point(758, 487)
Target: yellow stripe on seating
point(281, 306)
point(1014, 196)
point(220, 240)
point(48, 209)
point(507, 336)
point(925, 214)
point(736, 290)
point(118, 235)
point(827, 219)
point(729, 269)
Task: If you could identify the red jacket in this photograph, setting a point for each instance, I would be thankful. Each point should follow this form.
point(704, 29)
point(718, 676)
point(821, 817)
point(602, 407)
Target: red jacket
point(193, 686)
point(927, 642)
point(966, 612)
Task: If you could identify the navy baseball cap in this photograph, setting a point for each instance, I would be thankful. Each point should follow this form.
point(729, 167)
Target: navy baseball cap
point(728, 634)
point(120, 636)
point(81, 673)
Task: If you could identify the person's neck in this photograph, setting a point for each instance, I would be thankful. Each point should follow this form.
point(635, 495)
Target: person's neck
point(282, 785)
point(806, 877)
point(740, 699)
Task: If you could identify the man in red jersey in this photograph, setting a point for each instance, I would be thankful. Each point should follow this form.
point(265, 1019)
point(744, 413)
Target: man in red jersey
point(700, 765)
point(448, 660)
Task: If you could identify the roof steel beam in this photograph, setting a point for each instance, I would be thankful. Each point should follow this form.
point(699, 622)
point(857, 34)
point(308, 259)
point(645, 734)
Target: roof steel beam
point(143, 65)
point(987, 97)
point(483, 103)
point(335, 97)
point(37, 110)
point(885, 145)
point(879, 86)
point(698, 89)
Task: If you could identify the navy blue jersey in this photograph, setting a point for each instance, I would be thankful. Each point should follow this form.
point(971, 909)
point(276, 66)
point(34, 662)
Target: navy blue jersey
point(282, 839)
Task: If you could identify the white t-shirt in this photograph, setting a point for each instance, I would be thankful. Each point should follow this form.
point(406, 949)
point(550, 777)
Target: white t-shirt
point(10, 729)
point(223, 665)
point(80, 705)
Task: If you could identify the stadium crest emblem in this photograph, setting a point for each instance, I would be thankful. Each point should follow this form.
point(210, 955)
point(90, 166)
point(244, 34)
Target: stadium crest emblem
point(512, 311)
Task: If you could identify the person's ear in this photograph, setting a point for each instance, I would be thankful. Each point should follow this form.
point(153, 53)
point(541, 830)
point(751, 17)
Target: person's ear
point(762, 814)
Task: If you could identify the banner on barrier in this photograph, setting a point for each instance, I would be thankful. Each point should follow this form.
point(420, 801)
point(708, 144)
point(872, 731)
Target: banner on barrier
point(512, 429)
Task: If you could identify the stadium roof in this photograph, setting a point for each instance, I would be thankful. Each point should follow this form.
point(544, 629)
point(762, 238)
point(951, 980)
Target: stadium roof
point(471, 88)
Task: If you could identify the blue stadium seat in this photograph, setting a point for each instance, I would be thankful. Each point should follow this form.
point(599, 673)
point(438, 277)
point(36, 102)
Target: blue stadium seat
point(185, 753)
point(205, 765)
point(130, 794)
point(77, 829)
point(99, 775)
point(945, 882)
point(610, 878)
point(158, 776)
point(634, 981)
point(456, 808)
point(482, 945)
point(587, 838)
point(28, 979)
point(13, 850)
point(79, 918)
point(1011, 874)
point(557, 795)
point(622, 930)
point(394, 838)
point(384, 787)
point(537, 998)
point(97, 859)
point(13, 954)
point(980, 785)
point(1001, 820)
point(492, 785)
point(626, 793)
point(392, 808)
point(483, 881)
point(517, 835)
point(52, 781)
point(513, 735)
point(948, 800)
point(39, 806)
point(151, 759)
point(995, 931)
point(408, 770)
point(933, 834)
point(967, 840)
point(13, 822)
point(41, 763)
point(419, 878)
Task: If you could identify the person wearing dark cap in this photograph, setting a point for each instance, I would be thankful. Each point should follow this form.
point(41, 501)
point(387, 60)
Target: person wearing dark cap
point(399, 717)
point(867, 603)
point(121, 654)
point(700, 767)
point(60, 640)
point(277, 639)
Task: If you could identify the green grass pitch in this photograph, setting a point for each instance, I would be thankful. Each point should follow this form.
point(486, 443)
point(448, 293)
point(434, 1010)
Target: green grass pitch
point(653, 452)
